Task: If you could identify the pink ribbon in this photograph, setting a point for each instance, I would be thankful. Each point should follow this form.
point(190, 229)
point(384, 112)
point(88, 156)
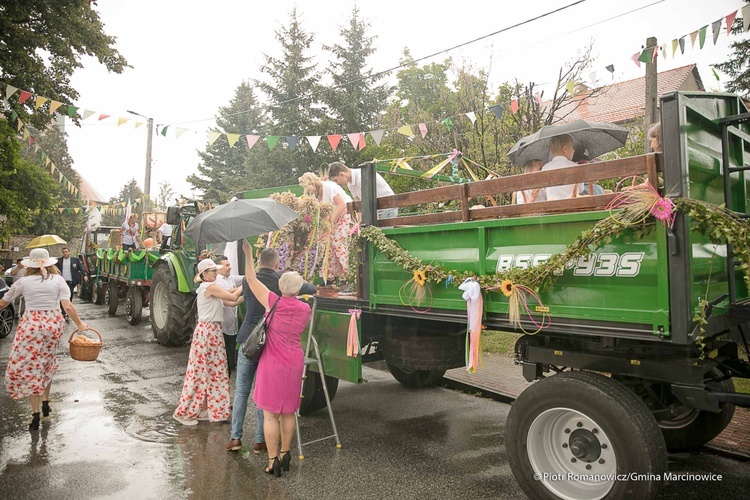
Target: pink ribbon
point(41, 266)
point(352, 338)
point(474, 311)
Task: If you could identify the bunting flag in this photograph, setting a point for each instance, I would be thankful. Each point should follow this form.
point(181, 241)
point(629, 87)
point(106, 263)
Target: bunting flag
point(251, 140)
point(448, 123)
point(313, 141)
point(681, 41)
point(730, 21)
point(663, 50)
point(40, 102)
point(497, 110)
point(636, 59)
point(354, 139)
point(377, 136)
point(646, 56)
point(164, 130)
point(471, 116)
point(25, 96)
point(746, 17)
point(406, 130)
point(514, 106)
point(362, 143)
point(674, 47)
point(423, 130)
point(538, 96)
point(693, 37)
point(292, 141)
point(122, 120)
point(212, 136)
point(72, 111)
point(232, 139)
point(88, 113)
point(178, 131)
point(9, 91)
point(138, 124)
point(702, 36)
point(611, 69)
point(334, 140)
point(716, 75)
point(716, 29)
point(53, 106)
point(103, 116)
point(272, 140)
point(570, 86)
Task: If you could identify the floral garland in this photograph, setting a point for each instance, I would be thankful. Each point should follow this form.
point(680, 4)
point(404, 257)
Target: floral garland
point(630, 210)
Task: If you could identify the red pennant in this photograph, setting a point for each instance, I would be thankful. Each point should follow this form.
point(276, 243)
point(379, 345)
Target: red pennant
point(656, 53)
point(103, 117)
point(635, 57)
point(514, 106)
point(334, 141)
point(25, 96)
point(730, 21)
point(423, 130)
point(362, 141)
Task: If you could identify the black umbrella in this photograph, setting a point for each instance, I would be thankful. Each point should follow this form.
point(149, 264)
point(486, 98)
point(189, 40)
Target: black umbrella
point(596, 138)
point(239, 219)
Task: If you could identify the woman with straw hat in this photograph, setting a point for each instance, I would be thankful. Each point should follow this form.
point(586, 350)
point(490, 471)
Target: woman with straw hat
point(32, 361)
point(205, 392)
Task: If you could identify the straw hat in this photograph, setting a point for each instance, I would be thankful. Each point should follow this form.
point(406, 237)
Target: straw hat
point(39, 257)
point(203, 266)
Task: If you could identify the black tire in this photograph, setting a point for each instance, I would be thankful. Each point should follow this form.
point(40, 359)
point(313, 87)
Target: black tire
point(424, 351)
point(111, 297)
point(172, 315)
point(134, 305)
point(314, 398)
point(84, 290)
point(7, 317)
point(694, 428)
point(97, 294)
point(543, 428)
point(416, 378)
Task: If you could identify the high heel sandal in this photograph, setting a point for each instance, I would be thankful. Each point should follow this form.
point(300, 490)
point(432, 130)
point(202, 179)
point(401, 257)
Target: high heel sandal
point(286, 459)
point(34, 425)
point(274, 467)
point(46, 409)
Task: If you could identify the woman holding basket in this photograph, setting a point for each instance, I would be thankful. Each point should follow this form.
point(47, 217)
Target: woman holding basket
point(32, 361)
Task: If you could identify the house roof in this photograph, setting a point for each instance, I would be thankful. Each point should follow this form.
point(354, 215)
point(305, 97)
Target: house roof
point(88, 191)
point(624, 101)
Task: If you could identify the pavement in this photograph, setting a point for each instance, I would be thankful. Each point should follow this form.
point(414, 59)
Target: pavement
point(500, 378)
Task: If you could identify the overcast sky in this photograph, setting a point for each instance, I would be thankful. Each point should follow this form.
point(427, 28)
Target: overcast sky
point(188, 57)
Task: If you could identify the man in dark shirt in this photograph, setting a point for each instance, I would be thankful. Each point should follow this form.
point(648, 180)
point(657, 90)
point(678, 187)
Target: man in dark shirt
point(268, 274)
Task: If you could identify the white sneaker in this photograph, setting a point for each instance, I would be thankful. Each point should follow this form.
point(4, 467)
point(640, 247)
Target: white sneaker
point(185, 420)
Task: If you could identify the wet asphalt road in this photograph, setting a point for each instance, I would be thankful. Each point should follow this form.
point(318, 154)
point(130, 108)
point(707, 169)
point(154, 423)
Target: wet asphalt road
point(111, 435)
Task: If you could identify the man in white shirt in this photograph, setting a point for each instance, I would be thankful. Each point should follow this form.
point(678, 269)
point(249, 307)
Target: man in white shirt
point(164, 235)
point(562, 149)
point(229, 282)
point(352, 179)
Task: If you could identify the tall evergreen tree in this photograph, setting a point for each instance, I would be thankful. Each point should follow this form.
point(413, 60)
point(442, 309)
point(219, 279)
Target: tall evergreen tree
point(222, 171)
point(292, 88)
point(738, 64)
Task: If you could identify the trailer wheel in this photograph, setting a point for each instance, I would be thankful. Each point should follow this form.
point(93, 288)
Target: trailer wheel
point(111, 297)
point(314, 398)
point(415, 378)
point(134, 305)
point(172, 313)
point(97, 294)
point(565, 429)
point(695, 428)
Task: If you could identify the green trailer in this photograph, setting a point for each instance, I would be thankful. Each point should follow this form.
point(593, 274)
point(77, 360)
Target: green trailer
point(124, 274)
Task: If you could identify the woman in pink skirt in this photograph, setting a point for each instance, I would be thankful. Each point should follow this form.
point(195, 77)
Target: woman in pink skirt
point(278, 381)
point(205, 392)
point(33, 361)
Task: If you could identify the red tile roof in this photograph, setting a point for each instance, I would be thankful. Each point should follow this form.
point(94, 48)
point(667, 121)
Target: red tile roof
point(88, 191)
point(624, 101)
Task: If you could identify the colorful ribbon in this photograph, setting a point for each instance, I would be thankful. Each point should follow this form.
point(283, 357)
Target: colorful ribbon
point(474, 310)
point(352, 338)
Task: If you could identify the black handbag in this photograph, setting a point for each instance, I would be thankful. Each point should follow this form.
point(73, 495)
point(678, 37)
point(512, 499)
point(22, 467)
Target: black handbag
point(253, 347)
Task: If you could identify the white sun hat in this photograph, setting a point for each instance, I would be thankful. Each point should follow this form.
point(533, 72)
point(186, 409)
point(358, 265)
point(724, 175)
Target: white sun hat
point(203, 266)
point(39, 257)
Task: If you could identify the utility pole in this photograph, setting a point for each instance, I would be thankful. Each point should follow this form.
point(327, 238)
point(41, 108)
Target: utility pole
point(147, 182)
point(650, 111)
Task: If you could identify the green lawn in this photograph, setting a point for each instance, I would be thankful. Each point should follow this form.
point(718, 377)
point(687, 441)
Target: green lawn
point(497, 342)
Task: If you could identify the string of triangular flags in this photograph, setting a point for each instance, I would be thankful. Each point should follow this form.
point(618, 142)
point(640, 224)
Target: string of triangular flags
point(25, 136)
point(648, 54)
point(108, 208)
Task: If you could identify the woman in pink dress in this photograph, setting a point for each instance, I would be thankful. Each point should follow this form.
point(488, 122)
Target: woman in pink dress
point(278, 381)
point(205, 392)
point(33, 361)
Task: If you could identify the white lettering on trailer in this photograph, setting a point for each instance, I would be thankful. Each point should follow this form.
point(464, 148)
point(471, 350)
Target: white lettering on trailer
point(602, 264)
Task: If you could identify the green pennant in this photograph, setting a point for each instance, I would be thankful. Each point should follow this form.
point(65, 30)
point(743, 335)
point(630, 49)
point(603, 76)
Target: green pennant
point(137, 256)
point(164, 130)
point(702, 35)
point(646, 55)
point(716, 75)
point(72, 111)
point(100, 253)
point(69, 210)
point(13, 116)
point(448, 123)
point(272, 140)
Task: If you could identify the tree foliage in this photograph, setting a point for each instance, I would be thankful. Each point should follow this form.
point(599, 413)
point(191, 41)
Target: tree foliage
point(738, 64)
point(131, 191)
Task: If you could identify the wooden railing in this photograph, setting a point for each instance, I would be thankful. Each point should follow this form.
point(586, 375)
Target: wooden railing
point(649, 164)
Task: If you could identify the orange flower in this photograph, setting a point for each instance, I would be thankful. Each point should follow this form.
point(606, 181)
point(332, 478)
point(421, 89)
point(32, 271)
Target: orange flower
point(419, 277)
point(506, 287)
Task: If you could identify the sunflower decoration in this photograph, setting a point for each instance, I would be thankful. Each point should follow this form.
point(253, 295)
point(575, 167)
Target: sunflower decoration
point(519, 297)
point(506, 287)
point(414, 292)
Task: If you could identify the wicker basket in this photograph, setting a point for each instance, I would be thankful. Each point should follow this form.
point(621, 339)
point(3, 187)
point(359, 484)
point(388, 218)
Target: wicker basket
point(84, 352)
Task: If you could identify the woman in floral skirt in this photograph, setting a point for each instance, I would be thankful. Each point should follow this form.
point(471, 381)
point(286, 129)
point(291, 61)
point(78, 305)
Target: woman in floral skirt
point(32, 362)
point(205, 392)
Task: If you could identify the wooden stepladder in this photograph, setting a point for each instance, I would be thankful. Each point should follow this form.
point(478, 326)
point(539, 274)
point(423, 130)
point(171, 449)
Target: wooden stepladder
point(315, 360)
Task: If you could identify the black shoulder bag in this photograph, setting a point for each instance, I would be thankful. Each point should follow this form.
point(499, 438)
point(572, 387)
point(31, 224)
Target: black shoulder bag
point(253, 347)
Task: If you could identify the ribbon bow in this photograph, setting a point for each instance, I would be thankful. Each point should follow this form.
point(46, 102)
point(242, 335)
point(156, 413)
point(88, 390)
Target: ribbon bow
point(352, 338)
point(474, 309)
